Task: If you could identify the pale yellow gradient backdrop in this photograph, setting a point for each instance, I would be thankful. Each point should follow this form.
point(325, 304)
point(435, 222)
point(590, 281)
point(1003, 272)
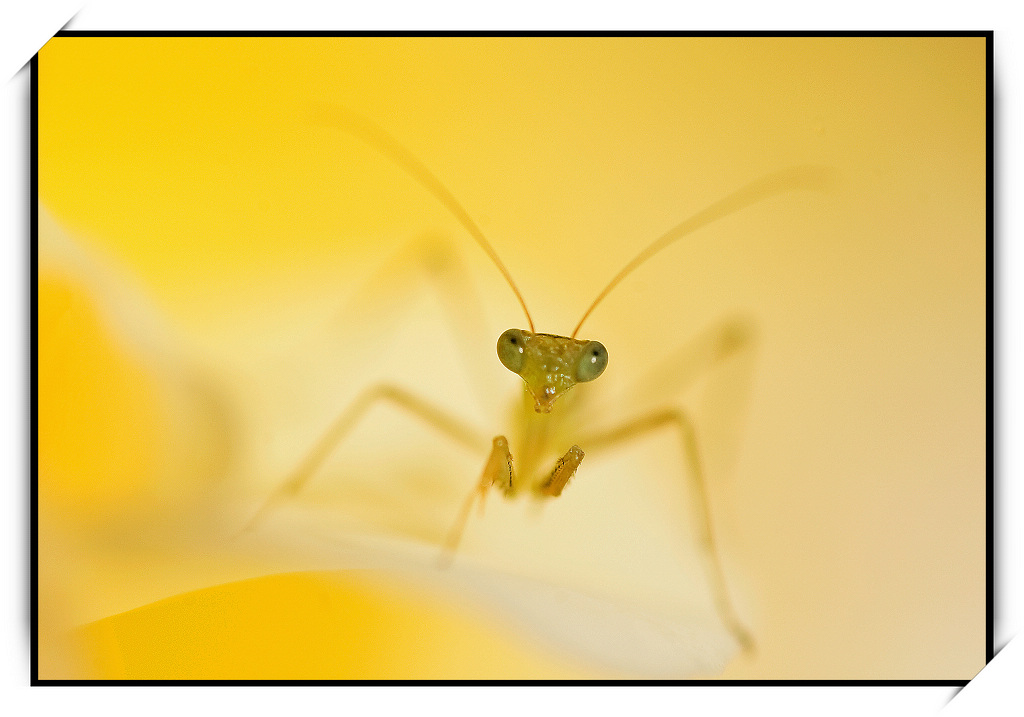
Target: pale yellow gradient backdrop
point(195, 169)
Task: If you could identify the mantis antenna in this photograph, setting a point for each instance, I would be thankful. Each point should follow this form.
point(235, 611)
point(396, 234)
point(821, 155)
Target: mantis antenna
point(393, 150)
point(802, 177)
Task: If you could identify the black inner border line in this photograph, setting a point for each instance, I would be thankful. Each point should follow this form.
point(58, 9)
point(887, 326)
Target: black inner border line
point(34, 343)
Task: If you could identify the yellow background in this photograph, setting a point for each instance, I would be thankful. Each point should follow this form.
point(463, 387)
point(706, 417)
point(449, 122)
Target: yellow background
point(854, 520)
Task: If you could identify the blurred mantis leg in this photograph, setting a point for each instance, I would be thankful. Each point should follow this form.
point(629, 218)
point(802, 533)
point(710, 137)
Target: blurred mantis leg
point(445, 423)
point(730, 339)
point(702, 513)
point(422, 268)
point(714, 371)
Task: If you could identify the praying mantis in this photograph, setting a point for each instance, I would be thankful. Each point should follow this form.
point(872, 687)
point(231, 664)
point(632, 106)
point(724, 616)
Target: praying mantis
point(548, 436)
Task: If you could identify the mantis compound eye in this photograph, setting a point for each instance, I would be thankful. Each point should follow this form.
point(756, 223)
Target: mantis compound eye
point(592, 362)
point(511, 347)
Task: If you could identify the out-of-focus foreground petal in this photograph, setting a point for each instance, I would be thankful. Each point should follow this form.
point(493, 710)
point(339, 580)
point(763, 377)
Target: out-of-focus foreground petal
point(134, 445)
point(311, 625)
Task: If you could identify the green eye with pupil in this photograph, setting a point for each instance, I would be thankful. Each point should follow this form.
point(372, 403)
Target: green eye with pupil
point(592, 362)
point(510, 350)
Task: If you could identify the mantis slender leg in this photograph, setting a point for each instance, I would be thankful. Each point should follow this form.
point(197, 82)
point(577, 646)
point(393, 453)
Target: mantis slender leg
point(444, 422)
point(677, 419)
point(725, 341)
point(441, 266)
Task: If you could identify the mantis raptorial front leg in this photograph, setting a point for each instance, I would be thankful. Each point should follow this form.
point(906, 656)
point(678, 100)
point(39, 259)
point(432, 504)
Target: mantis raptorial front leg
point(680, 421)
point(444, 422)
point(563, 471)
point(499, 472)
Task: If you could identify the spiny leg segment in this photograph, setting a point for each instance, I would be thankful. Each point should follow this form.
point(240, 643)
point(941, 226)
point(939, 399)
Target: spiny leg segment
point(564, 470)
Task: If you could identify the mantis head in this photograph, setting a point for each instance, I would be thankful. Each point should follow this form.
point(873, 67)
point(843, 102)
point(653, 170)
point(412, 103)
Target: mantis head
point(550, 365)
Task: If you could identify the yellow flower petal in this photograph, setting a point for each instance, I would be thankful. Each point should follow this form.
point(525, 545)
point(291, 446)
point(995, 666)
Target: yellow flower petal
point(314, 625)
